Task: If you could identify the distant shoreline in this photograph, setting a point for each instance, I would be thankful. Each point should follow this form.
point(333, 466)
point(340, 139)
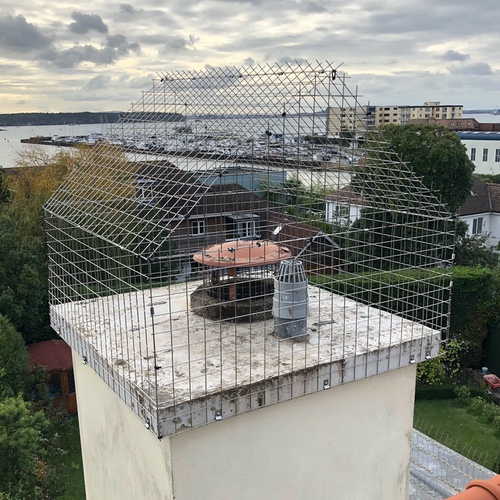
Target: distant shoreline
point(81, 118)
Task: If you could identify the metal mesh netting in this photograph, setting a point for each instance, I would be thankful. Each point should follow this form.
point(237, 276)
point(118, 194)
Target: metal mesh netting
point(164, 244)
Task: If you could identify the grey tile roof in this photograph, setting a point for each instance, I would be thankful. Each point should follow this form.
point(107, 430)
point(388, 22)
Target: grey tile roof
point(439, 472)
point(484, 198)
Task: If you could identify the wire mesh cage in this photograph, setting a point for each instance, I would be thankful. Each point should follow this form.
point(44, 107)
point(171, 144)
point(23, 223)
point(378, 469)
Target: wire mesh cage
point(165, 242)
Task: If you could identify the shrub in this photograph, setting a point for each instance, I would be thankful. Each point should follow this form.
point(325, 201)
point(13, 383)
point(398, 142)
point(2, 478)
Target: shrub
point(477, 405)
point(496, 423)
point(445, 368)
point(463, 394)
point(490, 411)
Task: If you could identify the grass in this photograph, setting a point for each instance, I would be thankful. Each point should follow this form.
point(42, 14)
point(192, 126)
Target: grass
point(458, 428)
point(70, 467)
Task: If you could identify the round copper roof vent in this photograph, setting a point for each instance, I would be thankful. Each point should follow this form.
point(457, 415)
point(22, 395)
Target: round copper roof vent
point(236, 283)
point(242, 253)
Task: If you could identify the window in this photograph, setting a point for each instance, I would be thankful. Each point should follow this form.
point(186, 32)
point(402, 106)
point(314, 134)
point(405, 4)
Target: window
point(477, 226)
point(343, 210)
point(473, 154)
point(55, 389)
point(497, 155)
point(244, 225)
point(485, 154)
point(197, 227)
point(245, 229)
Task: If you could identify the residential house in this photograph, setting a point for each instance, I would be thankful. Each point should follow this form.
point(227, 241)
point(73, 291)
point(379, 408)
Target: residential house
point(197, 210)
point(481, 211)
point(343, 207)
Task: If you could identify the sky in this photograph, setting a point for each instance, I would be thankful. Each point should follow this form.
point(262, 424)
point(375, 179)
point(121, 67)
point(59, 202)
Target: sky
point(100, 55)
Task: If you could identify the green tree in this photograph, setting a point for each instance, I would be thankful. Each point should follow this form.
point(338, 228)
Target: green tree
point(27, 443)
point(446, 367)
point(22, 449)
point(472, 250)
point(23, 260)
point(4, 187)
point(435, 154)
point(23, 278)
point(13, 360)
point(295, 198)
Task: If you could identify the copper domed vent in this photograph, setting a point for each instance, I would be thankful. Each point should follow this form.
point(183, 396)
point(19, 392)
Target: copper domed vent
point(237, 279)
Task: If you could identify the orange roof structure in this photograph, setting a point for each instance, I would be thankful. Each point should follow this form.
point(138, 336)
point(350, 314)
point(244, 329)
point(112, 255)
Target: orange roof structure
point(242, 253)
point(53, 354)
point(481, 490)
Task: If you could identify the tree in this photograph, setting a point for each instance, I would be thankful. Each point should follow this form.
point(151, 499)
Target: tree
point(293, 197)
point(13, 360)
point(25, 438)
point(446, 367)
point(22, 448)
point(472, 250)
point(437, 155)
point(23, 260)
point(4, 187)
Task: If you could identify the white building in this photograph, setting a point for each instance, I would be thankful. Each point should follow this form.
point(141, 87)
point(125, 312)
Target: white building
point(481, 211)
point(343, 207)
point(483, 149)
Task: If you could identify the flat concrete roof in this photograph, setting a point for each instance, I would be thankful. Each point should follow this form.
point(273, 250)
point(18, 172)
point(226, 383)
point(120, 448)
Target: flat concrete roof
point(199, 361)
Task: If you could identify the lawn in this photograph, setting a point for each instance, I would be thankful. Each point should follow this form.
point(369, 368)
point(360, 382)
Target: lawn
point(458, 428)
point(70, 468)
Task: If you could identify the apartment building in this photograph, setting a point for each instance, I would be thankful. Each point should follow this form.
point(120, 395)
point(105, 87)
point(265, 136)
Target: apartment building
point(483, 149)
point(370, 117)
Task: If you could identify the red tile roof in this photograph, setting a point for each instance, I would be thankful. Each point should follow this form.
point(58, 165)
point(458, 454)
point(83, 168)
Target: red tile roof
point(53, 354)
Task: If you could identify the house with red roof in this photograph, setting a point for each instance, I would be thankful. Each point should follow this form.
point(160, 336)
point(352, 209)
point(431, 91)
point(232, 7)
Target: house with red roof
point(55, 356)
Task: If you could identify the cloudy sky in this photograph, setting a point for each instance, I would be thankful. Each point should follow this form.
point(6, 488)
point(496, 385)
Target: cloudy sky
point(99, 55)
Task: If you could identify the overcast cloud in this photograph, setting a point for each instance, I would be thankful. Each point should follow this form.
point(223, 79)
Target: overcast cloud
point(87, 22)
point(100, 55)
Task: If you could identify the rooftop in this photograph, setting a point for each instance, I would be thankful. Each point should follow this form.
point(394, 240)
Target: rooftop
point(53, 354)
point(200, 367)
point(484, 198)
point(479, 136)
